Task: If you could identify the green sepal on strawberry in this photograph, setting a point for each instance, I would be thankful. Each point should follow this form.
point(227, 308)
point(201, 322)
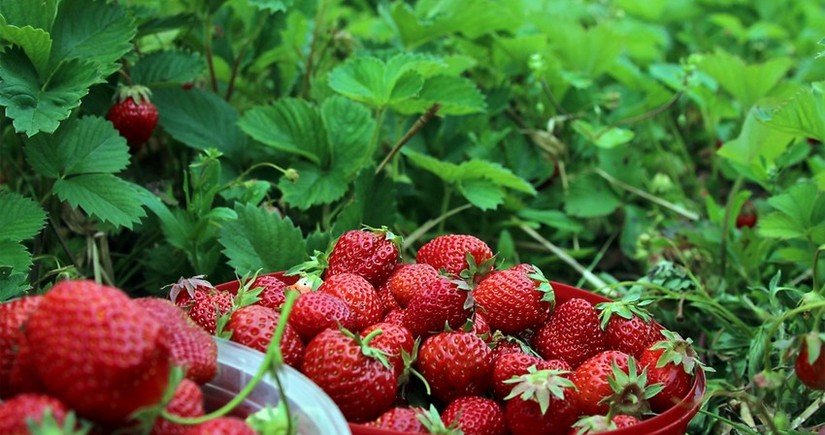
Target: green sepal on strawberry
point(133, 115)
point(628, 326)
point(602, 423)
point(671, 362)
point(37, 414)
point(631, 391)
point(810, 362)
point(541, 401)
point(513, 300)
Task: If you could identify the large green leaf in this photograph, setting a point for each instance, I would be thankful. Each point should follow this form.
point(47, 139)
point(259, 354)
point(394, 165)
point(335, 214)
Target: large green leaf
point(272, 5)
point(22, 218)
point(12, 283)
point(200, 120)
point(88, 145)
point(456, 95)
point(289, 125)
point(15, 255)
point(35, 105)
point(757, 147)
point(36, 43)
point(748, 83)
point(603, 137)
point(799, 213)
point(378, 84)
point(164, 67)
point(589, 196)
point(802, 115)
point(36, 13)
point(349, 127)
point(373, 203)
point(586, 52)
point(260, 239)
point(314, 186)
point(104, 196)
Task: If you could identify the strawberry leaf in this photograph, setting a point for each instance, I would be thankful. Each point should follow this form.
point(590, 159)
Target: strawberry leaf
point(167, 67)
point(104, 196)
point(259, 239)
point(22, 218)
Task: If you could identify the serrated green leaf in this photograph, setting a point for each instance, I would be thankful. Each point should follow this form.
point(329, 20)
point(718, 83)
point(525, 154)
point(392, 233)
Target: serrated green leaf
point(314, 186)
point(373, 203)
point(36, 106)
point(585, 52)
point(482, 193)
point(272, 5)
point(496, 173)
point(349, 127)
point(200, 120)
point(371, 81)
point(289, 125)
point(103, 196)
point(36, 13)
point(15, 255)
point(456, 95)
point(176, 225)
point(22, 218)
point(603, 137)
point(758, 145)
point(802, 115)
point(748, 83)
point(259, 239)
point(552, 218)
point(589, 196)
point(12, 284)
point(170, 66)
point(96, 31)
point(800, 213)
point(88, 145)
point(36, 43)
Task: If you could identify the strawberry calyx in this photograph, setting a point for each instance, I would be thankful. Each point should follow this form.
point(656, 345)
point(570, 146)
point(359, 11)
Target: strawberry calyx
point(678, 351)
point(813, 343)
point(435, 425)
point(247, 295)
point(48, 425)
point(594, 424)
point(544, 286)
point(630, 390)
point(385, 233)
point(139, 94)
point(475, 272)
point(409, 359)
point(189, 285)
point(540, 386)
point(273, 420)
point(147, 416)
point(627, 307)
point(367, 350)
point(316, 265)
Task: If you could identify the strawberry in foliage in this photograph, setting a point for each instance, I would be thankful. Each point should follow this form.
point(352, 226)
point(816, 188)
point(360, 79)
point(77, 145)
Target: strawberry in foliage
point(455, 364)
point(572, 333)
point(671, 362)
point(449, 252)
point(541, 401)
point(433, 307)
point(475, 415)
point(628, 327)
point(513, 300)
point(357, 376)
point(133, 115)
point(515, 364)
point(222, 426)
point(314, 312)
point(592, 380)
point(187, 402)
point(359, 295)
point(371, 253)
point(190, 347)
point(16, 413)
point(254, 325)
point(409, 279)
point(401, 420)
point(13, 316)
point(810, 362)
point(97, 352)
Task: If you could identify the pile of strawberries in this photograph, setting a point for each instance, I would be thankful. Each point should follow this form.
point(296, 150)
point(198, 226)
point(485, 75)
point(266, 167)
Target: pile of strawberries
point(447, 345)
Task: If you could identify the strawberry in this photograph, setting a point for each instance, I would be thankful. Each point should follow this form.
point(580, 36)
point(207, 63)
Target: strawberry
point(433, 307)
point(571, 334)
point(475, 415)
point(628, 327)
point(13, 316)
point(394, 340)
point(98, 352)
point(388, 301)
point(133, 115)
point(591, 379)
point(395, 317)
point(481, 327)
point(206, 309)
point(23, 377)
point(449, 252)
point(359, 295)
point(187, 402)
point(513, 300)
point(455, 364)
point(409, 279)
point(810, 363)
point(15, 413)
point(370, 253)
point(541, 401)
point(672, 363)
point(313, 312)
point(254, 325)
point(186, 290)
point(357, 376)
point(400, 420)
point(504, 345)
point(189, 345)
point(222, 426)
point(601, 423)
point(516, 364)
point(273, 294)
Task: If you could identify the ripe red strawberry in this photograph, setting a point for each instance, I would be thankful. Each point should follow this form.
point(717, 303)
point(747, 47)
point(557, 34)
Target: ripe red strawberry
point(222, 426)
point(272, 295)
point(254, 325)
point(15, 412)
point(481, 327)
point(313, 312)
point(13, 316)
point(475, 415)
point(810, 363)
point(370, 253)
point(671, 362)
point(393, 340)
point(206, 309)
point(388, 301)
point(23, 377)
point(600, 424)
point(184, 292)
point(359, 295)
point(187, 402)
point(571, 334)
point(400, 420)
point(591, 378)
point(133, 115)
point(513, 300)
point(97, 352)
point(542, 401)
point(455, 364)
point(516, 364)
point(409, 279)
point(449, 252)
point(357, 376)
point(433, 307)
point(395, 317)
point(628, 327)
point(504, 345)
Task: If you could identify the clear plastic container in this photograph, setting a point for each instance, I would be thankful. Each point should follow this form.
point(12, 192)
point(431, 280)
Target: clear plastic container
point(237, 364)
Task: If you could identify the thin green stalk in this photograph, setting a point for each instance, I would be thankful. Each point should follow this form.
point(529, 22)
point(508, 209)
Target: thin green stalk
point(652, 198)
point(723, 259)
point(427, 226)
point(594, 280)
point(207, 48)
point(816, 306)
point(730, 422)
point(376, 134)
point(445, 203)
point(273, 355)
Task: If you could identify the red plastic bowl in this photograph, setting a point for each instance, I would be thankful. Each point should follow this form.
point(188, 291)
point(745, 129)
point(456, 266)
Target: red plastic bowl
point(674, 421)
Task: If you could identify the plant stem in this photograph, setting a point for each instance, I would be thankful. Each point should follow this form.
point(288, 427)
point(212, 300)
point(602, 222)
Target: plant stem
point(427, 226)
point(207, 48)
point(723, 260)
point(652, 198)
point(594, 280)
point(259, 25)
point(376, 134)
point(316, 30)
point(809, 411)
point(419, 124)
point(729, 422)
point(445, 203)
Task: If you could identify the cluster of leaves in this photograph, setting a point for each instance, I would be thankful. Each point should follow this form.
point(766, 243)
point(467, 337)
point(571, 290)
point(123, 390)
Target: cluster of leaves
point(560, 132)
